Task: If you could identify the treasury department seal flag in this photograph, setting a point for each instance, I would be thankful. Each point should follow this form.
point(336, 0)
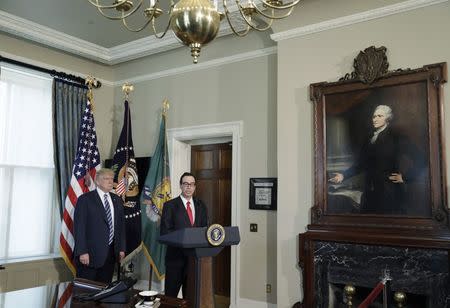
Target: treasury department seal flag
point(156, 191)
point(126, 183)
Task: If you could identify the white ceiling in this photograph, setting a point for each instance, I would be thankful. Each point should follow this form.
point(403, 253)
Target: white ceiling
point(75, 26)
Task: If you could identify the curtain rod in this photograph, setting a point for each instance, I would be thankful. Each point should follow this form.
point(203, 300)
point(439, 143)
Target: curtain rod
point(52, 73)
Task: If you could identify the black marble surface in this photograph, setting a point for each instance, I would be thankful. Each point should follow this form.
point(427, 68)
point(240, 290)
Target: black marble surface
point(423, 272)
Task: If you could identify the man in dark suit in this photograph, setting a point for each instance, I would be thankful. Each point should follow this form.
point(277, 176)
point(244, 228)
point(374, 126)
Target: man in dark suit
point(99, 230)
point(179, 213)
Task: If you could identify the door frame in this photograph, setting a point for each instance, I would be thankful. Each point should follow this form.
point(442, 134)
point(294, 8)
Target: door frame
point(179, 148)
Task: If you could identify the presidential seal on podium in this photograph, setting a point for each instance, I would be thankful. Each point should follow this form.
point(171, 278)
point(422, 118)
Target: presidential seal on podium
point(215, 234)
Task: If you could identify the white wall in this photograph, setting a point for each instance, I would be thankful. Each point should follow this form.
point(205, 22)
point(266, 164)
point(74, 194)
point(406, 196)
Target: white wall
point(413, 39)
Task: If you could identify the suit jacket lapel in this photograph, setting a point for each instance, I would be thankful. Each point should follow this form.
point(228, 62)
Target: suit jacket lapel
point(182, 209)
point(197, 212)
point(100, 206)
point(115, 206)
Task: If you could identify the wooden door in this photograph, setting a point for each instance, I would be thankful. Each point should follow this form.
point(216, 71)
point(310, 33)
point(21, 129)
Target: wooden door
point(211, 165)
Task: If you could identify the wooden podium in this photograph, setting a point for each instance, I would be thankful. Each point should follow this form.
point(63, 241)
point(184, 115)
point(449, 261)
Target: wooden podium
point(195, 245)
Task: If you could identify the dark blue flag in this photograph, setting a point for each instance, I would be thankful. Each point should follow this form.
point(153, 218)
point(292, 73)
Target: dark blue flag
point(126, 183)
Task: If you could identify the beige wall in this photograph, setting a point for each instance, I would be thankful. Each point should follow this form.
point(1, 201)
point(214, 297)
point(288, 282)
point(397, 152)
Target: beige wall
point(412, 38)
point(242, 91)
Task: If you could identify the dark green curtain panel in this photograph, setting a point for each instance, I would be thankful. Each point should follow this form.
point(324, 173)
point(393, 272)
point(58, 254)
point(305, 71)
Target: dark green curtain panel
point(69, 101)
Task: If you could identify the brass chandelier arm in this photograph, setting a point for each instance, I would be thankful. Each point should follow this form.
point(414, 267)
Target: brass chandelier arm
point(124, 22)
point(280, 7)
point(122, 16)
point(238, 33)
point(163, 33)
point(249, 21)
point(97, 4)
point(172, 4)
point(273, 16)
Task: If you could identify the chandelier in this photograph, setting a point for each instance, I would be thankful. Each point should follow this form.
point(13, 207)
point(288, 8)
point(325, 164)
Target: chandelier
point(196, 22)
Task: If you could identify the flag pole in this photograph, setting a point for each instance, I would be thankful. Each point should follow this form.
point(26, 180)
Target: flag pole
point(92, 83)
point(82, 175)
point(127, 88)
point(156, 191)
point(165, 108)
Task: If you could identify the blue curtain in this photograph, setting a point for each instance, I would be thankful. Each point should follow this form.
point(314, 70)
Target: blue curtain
point(69, 101)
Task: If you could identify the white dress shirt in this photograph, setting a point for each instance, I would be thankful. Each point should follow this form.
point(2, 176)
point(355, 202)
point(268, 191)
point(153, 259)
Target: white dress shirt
point(101, 194)
point(376, 133)
point(192, 206)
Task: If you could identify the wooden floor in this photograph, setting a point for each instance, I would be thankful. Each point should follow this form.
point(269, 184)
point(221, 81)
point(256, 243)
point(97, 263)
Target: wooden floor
point(222, 301)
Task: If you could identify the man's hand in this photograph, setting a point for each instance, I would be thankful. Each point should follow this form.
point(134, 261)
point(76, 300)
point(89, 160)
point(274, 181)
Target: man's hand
point(121, 256)
point(84, 259)
point(396, 178)
point(337, 178)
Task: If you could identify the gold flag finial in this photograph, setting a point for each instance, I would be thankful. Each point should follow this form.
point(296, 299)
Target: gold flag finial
point(127, 88)
point(166, 106)
point(91, 83)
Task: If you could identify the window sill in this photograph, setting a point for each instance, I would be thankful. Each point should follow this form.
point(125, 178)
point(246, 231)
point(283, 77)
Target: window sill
point(30, 259)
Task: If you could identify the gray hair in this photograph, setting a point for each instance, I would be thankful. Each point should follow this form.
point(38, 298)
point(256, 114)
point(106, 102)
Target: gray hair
point(103, 171)
point(387, 112)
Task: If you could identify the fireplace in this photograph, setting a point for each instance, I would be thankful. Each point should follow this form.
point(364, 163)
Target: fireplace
point(423, 274)
point(330, 259)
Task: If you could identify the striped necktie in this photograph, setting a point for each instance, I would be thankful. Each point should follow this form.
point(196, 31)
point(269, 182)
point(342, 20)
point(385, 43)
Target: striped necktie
point(109, 217)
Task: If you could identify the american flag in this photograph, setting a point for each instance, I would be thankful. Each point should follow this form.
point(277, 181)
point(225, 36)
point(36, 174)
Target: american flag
point(121, 186)
point(85, 166)
point(64, 295)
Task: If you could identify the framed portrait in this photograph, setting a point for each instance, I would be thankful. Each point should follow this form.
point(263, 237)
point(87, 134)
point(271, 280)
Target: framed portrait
point(379, 157)
point(263, 194)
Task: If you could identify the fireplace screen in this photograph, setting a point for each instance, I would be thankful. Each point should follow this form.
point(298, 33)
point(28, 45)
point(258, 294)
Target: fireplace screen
point(422, 274)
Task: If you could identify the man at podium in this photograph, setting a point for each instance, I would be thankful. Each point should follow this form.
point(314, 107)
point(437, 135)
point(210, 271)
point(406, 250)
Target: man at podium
point(185, 211)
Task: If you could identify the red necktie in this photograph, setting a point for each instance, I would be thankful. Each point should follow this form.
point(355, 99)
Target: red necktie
point(189, 211)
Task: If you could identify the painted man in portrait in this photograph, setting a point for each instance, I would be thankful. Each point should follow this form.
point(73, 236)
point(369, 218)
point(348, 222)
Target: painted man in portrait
point(388, 161)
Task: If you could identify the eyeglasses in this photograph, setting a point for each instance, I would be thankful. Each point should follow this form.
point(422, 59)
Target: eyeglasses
point(186, 184)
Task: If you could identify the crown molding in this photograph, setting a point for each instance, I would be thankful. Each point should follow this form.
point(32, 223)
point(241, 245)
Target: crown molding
point(200, 66)
point(355, 18)
point(161, 74)
point(32, 31)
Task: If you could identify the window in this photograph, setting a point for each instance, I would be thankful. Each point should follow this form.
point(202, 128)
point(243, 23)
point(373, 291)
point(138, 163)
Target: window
point(28, 208)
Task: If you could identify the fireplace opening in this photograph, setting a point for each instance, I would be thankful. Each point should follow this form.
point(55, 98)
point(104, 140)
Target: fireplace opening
point(337, 298)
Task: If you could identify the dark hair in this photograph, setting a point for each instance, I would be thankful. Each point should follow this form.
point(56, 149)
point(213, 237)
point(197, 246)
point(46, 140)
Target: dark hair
point(185, 174)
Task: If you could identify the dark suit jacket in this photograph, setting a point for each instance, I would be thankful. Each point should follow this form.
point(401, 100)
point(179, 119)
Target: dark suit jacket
point(91, 229)
point(379, 160)
point(175, 217)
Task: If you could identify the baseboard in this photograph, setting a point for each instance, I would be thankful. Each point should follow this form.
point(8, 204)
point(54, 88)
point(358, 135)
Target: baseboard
point(248, 303)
